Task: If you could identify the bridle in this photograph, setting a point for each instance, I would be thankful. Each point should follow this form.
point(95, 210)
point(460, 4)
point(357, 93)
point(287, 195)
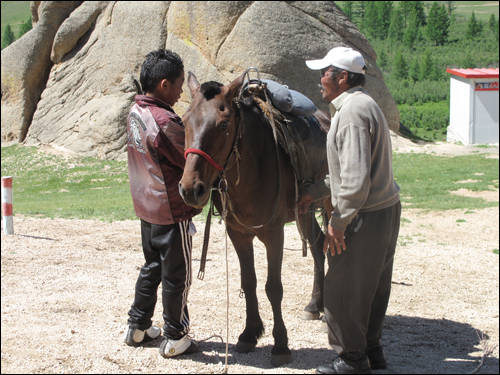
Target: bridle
point(222, 170)
point(234, 149)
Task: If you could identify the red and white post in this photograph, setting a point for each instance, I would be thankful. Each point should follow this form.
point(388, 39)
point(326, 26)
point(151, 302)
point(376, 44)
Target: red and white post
point(7, 208)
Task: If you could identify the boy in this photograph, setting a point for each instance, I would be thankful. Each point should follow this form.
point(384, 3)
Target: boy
point(155, 164)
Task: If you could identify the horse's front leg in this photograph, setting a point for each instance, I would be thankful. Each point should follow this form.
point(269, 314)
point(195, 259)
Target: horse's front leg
point(274, 240)
point(315, 237)
point(243, 243)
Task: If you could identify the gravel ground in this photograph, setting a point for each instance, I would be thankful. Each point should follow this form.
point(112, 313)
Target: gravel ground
point(67, 286)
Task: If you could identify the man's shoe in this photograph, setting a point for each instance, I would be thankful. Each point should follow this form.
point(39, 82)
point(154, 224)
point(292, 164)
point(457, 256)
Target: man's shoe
point(136, 337)
point(343, 365)
point(376, 357)
point(170, 348)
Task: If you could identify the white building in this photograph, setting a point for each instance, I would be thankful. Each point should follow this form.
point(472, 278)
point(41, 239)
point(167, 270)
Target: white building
point(473, 106)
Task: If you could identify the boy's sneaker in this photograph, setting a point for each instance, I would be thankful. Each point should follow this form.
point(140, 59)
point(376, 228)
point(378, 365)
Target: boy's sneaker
point(135, 337)
point(171, 348)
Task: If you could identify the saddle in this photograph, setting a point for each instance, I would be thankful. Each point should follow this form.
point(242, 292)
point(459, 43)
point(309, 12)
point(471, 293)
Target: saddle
point(300, 136)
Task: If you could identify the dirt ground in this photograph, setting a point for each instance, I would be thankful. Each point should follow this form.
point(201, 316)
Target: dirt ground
point(67, 286)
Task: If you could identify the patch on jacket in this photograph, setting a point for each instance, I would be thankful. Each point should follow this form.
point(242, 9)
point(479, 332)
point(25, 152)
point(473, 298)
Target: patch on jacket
point(134, 135)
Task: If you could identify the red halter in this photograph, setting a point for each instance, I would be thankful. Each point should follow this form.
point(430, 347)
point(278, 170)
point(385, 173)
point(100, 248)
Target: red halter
point(205, 155)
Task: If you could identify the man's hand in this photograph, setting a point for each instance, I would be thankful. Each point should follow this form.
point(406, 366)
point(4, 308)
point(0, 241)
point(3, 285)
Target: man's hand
point(305, 200)
point(335, 240)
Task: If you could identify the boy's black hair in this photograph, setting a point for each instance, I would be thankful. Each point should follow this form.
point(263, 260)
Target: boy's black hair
point(159, 65)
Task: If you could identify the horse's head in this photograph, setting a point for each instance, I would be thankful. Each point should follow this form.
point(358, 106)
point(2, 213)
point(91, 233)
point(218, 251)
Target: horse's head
point(211, 123)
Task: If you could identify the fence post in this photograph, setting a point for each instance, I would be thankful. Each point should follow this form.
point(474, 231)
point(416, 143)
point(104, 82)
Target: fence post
point(7, 209)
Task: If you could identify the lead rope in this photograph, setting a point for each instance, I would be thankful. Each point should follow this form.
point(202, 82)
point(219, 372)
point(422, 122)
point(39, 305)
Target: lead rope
point(223, 196)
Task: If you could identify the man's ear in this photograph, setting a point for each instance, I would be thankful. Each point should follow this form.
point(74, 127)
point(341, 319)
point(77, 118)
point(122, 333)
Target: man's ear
point(344, 77)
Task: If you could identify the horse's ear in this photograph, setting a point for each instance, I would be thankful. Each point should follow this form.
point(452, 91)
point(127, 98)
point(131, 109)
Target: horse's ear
point(235, 86)
point(193, 84)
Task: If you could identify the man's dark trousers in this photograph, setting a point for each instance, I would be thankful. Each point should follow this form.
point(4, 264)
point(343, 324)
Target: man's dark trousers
point(167, 251)
point(358, 281)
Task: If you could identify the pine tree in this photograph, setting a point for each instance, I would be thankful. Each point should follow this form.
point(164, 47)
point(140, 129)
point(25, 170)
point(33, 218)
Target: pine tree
point(414, 69)
point(8, 37)
point(418, 7)
point(384, 16)
point(396, 28)
point(25, 27)
point(427, 66)
point(411, 31)
point(473, 27)
point(467, 62)
point(428, 6)
point(382, 60)
point(438, 24)
point(445, 24)
point(347, 9)
point(492, 22)
point(358, 13)
point(371, 20)
point(406, 8)
point(450, 5)
point(433, 26)
point(400, 66)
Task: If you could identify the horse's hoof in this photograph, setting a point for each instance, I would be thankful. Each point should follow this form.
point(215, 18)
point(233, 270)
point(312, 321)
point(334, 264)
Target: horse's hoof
point(280, 359)
point(307, 315)
point(244, 347)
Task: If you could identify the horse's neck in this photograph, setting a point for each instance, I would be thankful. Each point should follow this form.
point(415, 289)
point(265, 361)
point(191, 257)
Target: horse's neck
point(258, 164)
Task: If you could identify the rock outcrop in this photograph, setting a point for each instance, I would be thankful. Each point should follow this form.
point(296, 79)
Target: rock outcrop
point(97, 52)
point(26, 66)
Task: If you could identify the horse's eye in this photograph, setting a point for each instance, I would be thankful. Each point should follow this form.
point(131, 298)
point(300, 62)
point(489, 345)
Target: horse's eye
point(224, 124)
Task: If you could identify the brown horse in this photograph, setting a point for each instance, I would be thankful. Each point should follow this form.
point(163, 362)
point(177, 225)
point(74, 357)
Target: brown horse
point(230, 142)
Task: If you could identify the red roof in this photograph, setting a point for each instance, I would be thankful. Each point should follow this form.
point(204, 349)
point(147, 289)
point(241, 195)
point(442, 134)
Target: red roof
point(474, 73)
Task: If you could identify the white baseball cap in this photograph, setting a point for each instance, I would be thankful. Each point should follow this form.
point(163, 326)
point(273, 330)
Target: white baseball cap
point(340, 57)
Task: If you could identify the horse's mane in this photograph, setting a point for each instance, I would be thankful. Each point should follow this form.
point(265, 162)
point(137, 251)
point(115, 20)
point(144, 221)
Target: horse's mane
point(210, 89)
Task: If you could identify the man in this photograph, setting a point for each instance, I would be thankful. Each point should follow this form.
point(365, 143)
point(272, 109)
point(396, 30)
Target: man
point(156, 163)
point(364, 225)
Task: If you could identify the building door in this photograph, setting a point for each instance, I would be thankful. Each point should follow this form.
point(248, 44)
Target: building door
point(485, 127)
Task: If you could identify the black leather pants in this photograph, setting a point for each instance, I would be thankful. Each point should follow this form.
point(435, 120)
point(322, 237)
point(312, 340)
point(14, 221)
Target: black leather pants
point(167, 251)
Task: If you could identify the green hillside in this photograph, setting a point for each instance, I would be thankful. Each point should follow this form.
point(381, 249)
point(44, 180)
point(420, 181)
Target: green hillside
point(482, 9)
point(414, 50)
point(415, 71)
point(15, 13)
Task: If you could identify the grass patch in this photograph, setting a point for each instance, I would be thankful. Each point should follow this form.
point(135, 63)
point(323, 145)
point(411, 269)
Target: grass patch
point(82, 187)
point(52, 186)
point(426, 180)
point(461, 221)
point(495, 251)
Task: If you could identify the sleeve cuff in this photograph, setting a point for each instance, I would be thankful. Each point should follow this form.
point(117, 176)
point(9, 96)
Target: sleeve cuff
point(339, 225)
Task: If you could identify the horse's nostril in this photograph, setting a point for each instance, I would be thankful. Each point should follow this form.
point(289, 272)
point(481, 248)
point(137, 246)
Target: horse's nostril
point(200, 190)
